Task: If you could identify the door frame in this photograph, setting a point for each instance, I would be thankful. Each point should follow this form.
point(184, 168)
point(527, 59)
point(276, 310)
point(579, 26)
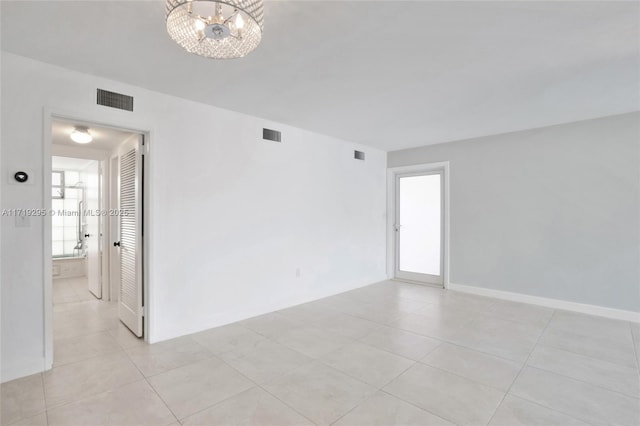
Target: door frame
point(105, 119)
point(82, 152)
point(392, 175)
point(415, 276)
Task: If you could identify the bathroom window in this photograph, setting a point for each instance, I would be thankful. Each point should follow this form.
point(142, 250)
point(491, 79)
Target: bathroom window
point(67, 220)
point(57, 180)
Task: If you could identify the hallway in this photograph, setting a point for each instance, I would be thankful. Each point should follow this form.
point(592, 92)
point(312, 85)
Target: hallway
point(85, 327)
point(68, 290)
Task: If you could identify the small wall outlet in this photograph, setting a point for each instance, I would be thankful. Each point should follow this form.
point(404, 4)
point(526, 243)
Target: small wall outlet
point(23, 221)
point(298, 273)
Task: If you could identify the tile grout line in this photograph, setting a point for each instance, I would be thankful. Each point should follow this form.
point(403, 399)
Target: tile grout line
point(489, 354)
point(414, 362)
point(264, 389)
point(524, 365)
point(317, 360)
point(582, 380)
point(454, 343)
point(369, 384)
point(550, 345)
point(635, 349)
point(464, 377)
point(44, 397)
point(152, 388)
point(146, 378)
point(89, 358)
point(84, 398)
point(175, 368)
point(216, 356)
point(349, 411)
point(243, 375)
point(332, 311)
point(537, 403)
point(553, 409)
point(440, 342)
point(211, 355)
point(411, 403)
point(161, 399)
point(379, 389)
point(416, 406)
point(583, 355)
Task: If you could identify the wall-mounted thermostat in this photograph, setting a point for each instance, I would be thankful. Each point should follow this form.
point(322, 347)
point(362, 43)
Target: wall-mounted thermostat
point(21, 176)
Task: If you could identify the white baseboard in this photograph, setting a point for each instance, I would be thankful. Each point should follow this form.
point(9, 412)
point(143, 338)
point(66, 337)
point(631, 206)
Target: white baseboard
point(583, 308)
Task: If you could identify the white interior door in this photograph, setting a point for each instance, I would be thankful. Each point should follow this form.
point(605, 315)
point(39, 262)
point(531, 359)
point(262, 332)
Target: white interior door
point(129, 244)
point(419, 227)
point(91, 227)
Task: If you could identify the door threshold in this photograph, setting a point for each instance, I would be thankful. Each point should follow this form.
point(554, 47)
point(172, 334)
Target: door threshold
point(404, 280)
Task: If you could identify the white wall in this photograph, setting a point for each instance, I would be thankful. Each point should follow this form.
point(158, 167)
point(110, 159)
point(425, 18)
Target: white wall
point(551, 212)
point(232, 217)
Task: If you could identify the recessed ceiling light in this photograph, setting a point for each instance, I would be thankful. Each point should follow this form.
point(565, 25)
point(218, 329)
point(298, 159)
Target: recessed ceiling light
point(81, 135)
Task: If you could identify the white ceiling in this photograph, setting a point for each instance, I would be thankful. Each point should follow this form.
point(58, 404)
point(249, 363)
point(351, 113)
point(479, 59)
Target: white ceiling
point(104, 138)
point(387, 74)
point(67, 163)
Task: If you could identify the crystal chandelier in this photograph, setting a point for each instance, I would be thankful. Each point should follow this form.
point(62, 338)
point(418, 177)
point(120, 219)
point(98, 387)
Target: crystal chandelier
point(215, 29)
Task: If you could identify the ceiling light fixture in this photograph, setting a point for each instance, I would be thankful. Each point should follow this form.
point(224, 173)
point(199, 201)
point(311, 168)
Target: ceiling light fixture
point(81, 135)
point(215, 29)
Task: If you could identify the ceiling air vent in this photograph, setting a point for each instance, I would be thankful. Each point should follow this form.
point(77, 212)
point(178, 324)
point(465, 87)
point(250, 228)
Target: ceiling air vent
point(358, 155)
point(115, 100)
point(271, 135)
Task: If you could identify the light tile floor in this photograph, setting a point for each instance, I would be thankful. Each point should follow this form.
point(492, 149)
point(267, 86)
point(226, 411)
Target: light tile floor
point(390, 353)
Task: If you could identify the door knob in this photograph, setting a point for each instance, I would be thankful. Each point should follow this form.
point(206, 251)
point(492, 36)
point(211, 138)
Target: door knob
point(87, 235)
point(116, 244)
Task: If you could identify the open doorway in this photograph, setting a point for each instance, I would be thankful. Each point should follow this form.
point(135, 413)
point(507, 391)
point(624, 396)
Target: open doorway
point(97, 209)
point(76, 233)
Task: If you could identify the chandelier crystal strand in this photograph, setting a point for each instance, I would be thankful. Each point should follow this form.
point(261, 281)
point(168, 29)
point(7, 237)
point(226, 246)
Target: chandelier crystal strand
point(215, 29)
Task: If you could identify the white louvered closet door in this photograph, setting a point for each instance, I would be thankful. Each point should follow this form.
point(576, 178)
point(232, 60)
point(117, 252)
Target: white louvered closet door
point(130, 303)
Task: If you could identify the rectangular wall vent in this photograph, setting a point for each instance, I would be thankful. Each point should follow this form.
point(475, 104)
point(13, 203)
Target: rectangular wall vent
point(358, 155)
point(271, 135)
point(115, 100)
